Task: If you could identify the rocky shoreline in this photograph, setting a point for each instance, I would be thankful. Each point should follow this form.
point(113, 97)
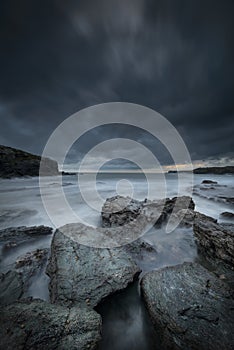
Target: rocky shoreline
point(191, 305)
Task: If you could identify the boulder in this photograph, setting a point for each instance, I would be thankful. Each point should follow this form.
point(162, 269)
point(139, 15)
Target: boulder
point(83, 274)
point(119, 211)
point(35, 324)
point(190, 308)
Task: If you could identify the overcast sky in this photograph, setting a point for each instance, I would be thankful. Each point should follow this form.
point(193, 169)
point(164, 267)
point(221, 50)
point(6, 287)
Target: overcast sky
point(57, 57)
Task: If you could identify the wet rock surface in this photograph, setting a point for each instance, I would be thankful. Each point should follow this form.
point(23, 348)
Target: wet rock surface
point(190, 307)
point(187, 217)
point(227, 214)
point(86, 275)
point(35, 324)
point(209, 182)
point(14, 235)
point(15, 282)
point(118, 210)
point(215, 242)
point(213, 191)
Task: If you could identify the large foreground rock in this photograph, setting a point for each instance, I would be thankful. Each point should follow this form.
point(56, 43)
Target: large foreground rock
point(17, 163)
point(40, 325)
point(190, 308)
point(82, 274)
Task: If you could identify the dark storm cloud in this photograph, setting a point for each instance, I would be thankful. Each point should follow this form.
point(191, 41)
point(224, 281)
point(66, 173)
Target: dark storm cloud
point(173, 56)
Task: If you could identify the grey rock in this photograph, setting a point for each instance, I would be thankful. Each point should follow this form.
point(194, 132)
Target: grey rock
point(14, 235)
point(35, 324)
point(15, 282)
point(17, 163)
point(190, 307)
point(214, 242)
point(187, 217)
point(86, 275)
point(215, 192)
point(119, 211)
point(209, 182)
point(227, 214)
point(11, 287)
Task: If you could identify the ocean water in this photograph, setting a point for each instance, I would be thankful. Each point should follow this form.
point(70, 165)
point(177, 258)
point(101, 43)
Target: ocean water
point(125, 321)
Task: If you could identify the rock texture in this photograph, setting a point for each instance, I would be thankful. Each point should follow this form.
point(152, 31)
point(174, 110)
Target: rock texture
point(40, 325)
point(14, 235)
point(17, 163)
point(84, 275)
point(118, 210)
point(215, 242)
point(15, 282)
point(190, 308)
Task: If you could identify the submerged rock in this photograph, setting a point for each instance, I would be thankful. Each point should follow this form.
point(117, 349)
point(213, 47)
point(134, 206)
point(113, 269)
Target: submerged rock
point(190, 307)
point(39, 325)
point(86, 275)
point(209, 182)
point(15, 282)
point(227, 214)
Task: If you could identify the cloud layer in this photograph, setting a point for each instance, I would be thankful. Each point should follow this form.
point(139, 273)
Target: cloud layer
point(173, 56)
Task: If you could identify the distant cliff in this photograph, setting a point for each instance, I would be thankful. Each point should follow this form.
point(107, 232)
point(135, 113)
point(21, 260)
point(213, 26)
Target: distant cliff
point(17, 163)
point(215, 170)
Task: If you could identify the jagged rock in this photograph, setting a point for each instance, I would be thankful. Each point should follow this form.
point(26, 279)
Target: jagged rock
point(15, 282)
point(17, 163)
point(39, 325)
point(190, 307)
point(214, 242)
point(118, 210)
point(83, 274)
point(12, 236)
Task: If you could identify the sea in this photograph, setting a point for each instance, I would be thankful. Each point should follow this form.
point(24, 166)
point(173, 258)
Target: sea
point(126, 324)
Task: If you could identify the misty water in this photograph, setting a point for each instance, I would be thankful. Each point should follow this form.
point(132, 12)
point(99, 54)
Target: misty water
point(125, 321)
